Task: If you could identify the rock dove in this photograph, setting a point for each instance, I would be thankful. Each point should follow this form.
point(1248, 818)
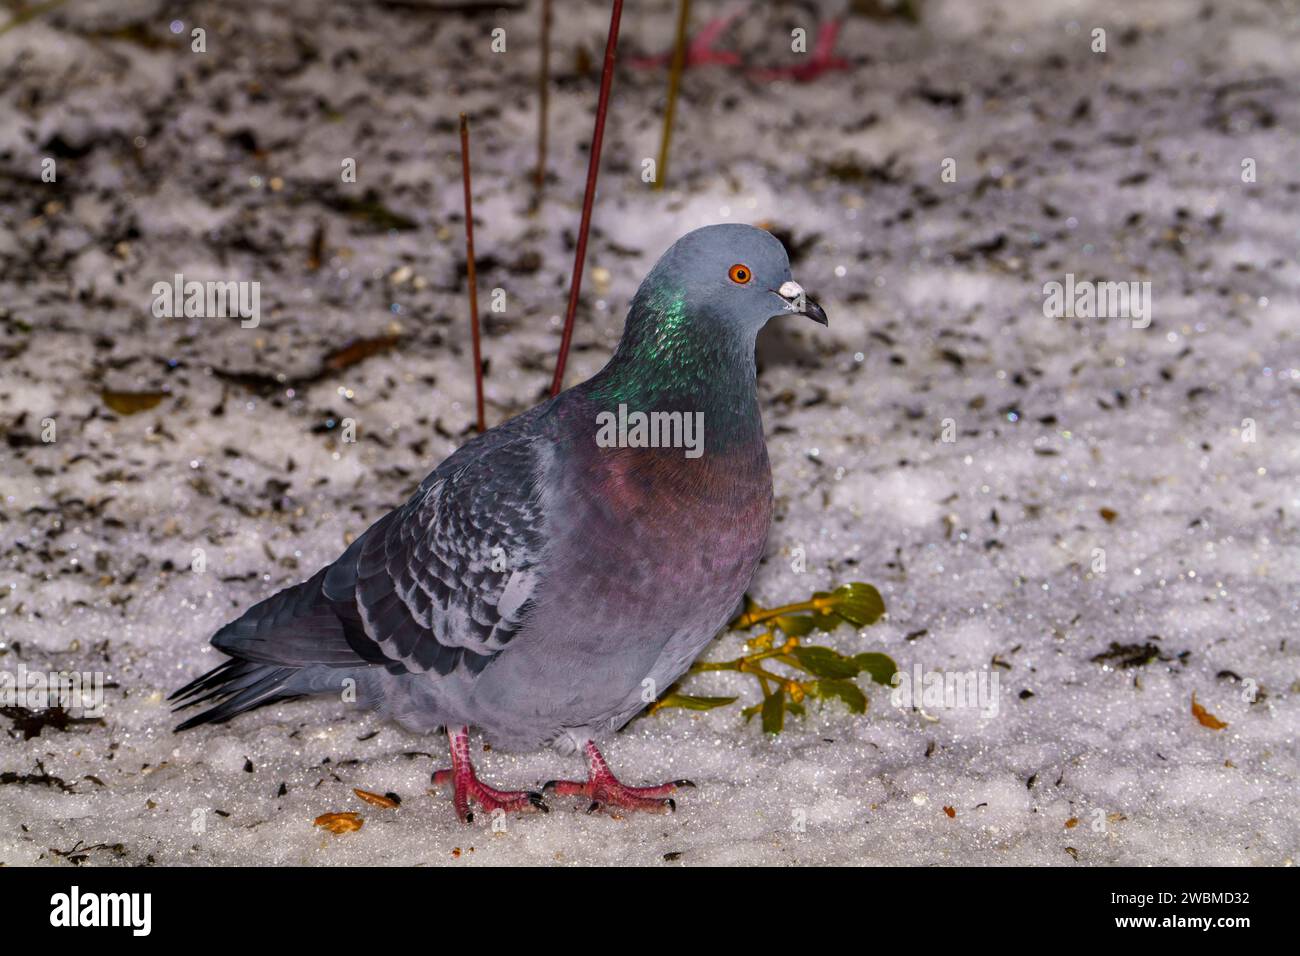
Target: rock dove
point(558, 572)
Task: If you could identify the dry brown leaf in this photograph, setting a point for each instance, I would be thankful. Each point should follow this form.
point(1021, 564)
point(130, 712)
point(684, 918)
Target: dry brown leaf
point(950, 811)
point(129, 403)
point(1108, 515)
point(340, 822)
point(377, 799)
point(359, 350)
point(1071, 823)
point(1206, 718)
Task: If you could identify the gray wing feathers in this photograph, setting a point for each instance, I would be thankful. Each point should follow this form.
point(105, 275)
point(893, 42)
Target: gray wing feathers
point(447, 579)
point(444, 582)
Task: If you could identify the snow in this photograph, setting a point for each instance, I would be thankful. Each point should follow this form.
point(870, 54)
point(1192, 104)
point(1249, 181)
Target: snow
point(984, 548)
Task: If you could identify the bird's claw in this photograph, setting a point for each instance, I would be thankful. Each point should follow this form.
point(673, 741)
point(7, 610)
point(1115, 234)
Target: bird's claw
point(467, 788)
point(649, 806)
point(607, 793)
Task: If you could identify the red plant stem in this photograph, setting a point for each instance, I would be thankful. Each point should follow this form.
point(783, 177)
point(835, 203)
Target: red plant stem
point(543, 103)
point(473, 276)
point(593, 167)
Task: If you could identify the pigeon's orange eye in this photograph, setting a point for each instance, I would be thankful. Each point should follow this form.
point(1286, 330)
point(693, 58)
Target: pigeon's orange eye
point(740, 273)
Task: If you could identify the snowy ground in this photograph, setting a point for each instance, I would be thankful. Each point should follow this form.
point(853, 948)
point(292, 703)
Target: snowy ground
point(1069, 435)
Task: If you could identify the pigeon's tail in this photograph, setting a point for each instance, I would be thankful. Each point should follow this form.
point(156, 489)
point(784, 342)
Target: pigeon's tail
point(234, 687)
point(295, 642)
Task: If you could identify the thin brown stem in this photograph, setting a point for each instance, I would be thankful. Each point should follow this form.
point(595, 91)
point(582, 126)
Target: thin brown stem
point(593, 167)
point(472, 273)
point(674, 84)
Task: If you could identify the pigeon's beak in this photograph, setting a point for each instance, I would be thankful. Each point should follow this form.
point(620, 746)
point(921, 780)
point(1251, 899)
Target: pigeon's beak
point(796, 300)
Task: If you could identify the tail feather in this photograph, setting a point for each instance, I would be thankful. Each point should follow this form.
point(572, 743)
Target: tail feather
point(235, 686)
point(298, 641)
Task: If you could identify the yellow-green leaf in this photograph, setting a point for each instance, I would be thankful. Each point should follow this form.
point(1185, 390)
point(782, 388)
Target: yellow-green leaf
point(794, 625)
point(825, 620)
point(859, 603)
point(824, 662)
point(879, 667)
point(774, 712)
point(844, 690)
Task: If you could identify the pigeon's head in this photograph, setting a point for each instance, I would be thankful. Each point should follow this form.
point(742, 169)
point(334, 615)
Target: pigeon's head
point(731, 276)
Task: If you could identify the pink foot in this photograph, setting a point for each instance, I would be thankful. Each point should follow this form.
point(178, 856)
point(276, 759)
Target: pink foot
point(466, 785)
point(700, 51)
point(605, 790)
point(822, 60)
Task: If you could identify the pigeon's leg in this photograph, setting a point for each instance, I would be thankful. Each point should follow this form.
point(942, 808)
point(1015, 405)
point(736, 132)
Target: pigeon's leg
point(823, 59)
point(466, 785)
point(605, 790)
point(700, 51)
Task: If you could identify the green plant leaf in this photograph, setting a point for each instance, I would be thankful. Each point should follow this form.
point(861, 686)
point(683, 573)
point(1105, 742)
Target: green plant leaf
point(858, 603)
point(879, 667)
point(693, 702)
point(831, 674)
point(844, 690)
point(824, 662)
point(794, 625)
point(824, 620)
point(774, 712)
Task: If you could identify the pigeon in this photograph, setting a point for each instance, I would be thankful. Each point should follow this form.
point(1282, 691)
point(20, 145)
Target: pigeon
point(557, 573)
